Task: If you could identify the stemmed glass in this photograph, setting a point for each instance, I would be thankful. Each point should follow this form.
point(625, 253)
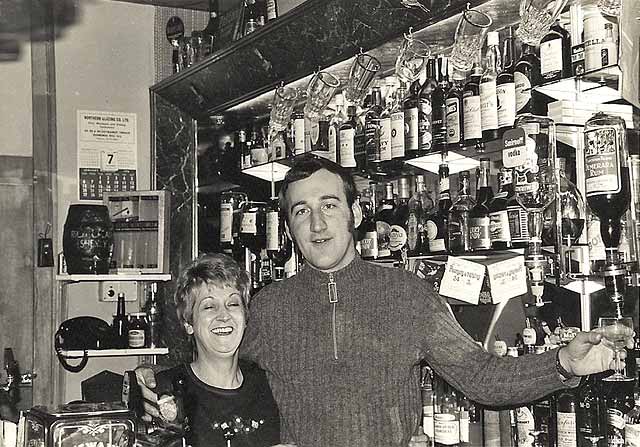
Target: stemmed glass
point(617, 330)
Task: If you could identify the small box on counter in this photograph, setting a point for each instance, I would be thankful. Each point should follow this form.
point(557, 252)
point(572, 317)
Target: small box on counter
point(577, 59)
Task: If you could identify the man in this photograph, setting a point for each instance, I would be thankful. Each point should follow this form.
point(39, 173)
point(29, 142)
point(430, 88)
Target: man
point(342, 339)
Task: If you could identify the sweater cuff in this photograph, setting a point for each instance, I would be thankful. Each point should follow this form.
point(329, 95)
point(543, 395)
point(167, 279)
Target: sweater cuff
point(565, 376)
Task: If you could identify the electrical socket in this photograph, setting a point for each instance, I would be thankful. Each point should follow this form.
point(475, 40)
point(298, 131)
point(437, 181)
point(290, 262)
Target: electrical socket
point(109, 290)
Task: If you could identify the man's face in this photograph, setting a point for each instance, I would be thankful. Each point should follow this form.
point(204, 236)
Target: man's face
point(321, 222)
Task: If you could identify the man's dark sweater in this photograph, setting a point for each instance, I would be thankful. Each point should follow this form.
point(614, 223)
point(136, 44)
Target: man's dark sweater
point(357, 384)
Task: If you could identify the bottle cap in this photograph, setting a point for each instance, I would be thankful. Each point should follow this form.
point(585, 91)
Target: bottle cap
point(493, 38)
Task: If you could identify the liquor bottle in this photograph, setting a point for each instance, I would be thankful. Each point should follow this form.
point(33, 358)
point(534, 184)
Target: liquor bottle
point(526, 77)
point(555, 54)
point(566, 424)
point(488, 96)
point(455, 115)
point(120, 323)
point(607, 185)
point(437, 224)
point(447, 418)
point(397, 126)
point(398, 232)
point(359, 142)
point(251, 17)
point(277, 243)
point(618, 402)
point(252, 227)
point(632, 424)
point(297, 132)
point(420, 205)
point(410, 105)
point(491, 428)
point(609, 48)
point(439, 103)
point(372, 130)
point(529, 337)
point(465, 410)
point(479, 220)
point(337, 120)
point(385, 129)
point(231, 204)
point(154, 317)
point(471, 107)
point(590, 425)
point(367, 231)
point(244, 148)
point(213, 25)
point(272, 10)
point(384, 220)
point(506, 87)
point(518, 222)
point(428, 404)
point(508, 418)
point(425, 108)
point(498, 217)
point(458, 228)
point(347, 137)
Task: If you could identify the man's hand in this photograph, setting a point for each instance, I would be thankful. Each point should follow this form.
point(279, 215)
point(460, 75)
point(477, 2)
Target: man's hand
point(591, 353)
point(147, 381)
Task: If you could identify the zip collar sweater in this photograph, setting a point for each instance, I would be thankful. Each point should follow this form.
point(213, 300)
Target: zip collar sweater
point(341, 352)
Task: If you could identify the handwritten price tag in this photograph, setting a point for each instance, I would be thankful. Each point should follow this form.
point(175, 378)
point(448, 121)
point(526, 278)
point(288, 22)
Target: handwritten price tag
point(507, 279)
point(462, 280)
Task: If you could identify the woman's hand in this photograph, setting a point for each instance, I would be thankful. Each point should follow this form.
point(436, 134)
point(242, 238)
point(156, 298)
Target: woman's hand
point(147, 381)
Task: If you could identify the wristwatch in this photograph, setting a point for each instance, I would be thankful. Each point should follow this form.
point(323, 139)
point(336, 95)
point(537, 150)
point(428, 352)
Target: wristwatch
point(566, 375)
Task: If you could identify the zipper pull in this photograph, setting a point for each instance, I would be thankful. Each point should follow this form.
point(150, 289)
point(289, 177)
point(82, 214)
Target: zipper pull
point(333, 291)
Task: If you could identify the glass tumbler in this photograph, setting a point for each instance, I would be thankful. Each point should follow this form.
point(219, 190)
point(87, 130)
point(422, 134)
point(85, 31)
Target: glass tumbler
point(284, 99)
point(411, 59)
point(320, 90)
point(363, 70)
point(469, 38)
point(536, 16)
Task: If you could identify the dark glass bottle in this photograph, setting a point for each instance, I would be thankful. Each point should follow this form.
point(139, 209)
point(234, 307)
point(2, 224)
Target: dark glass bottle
point(565, 416)
point(120, 324)
point(367, 231)
point(555, 54)
point(479, 220)
point(589, 421)
point(458, 228)
point(425, 108)
point(420, 205)
point(277, 242)
point(372, 130)
point(526, 76)
point(347, 139)
point(439, 103)
point(447, 418)
point(272, 10)
point(471, 107)
point(617, 403)
point(411, 115)
point(506, 87)
point(211, 30)
point(455, 115)
point(488, 96)
point(397, 127)
point(499, 219)
point(398, 235)
point(384, 220)
point(437, 223)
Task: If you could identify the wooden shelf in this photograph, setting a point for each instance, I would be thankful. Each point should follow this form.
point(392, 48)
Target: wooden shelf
point(161, 277)
point(76, 354)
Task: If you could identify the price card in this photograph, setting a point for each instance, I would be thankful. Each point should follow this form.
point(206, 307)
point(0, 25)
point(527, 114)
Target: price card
point(508, 279)
point(462, 280)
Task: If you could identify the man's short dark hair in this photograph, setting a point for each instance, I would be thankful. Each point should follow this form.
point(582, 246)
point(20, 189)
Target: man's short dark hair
point(304, 167)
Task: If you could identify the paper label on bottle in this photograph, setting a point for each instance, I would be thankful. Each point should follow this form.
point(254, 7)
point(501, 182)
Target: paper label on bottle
point(601, 163)
point(437, 245)
point(425, 131)
point(529, 336)
point(453, 120)
point(248, 223)
point(499, 227)
point(298, 136)
point(384, 232)
point(525, 425)
point(385, 139)
point(472, 122)
point(566, 424)
point(518, 224)
point(432, 231)
point(479, 233)
point(226, 221)
point(412, 230)
point(347, 147)
point(488, 105)
point(397, 238)
point(551, 58)
point(523, 90)
point(273, 236)
point(514, 152)
point(507, 279)
point(597, 250)
point(506, 94)
point(447, 429)
point(332, 144)
point(427, 423)
point(462, 280)
point(397, 134)
point(491, 428)
point(411, 129)
point(464, 426)
point(136, 338)
point(444, 188)
point(369, 245)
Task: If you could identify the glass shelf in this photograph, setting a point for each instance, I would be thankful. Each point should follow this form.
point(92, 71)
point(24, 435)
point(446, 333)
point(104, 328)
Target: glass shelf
point(115, 277)
point(596, 86)
point(77, 354)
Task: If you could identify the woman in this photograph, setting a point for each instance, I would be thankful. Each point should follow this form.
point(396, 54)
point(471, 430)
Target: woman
point(224, 398)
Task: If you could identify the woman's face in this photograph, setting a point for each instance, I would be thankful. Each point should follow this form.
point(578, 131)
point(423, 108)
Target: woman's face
point(219, 320)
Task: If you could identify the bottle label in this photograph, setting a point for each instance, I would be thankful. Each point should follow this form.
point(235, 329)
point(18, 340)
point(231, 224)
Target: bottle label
point(347, 147)
point(529, 336)
point(397, 238)
point(437, 245)
point(632, 434)
point(431, 230)
point(464, 425)
point(453, 121)
point(518, 224)
point(527, 175)
point(332, 144)
point(601, 163)
point(369, 245)
point(412, 230)
point(491, 428)
point(506, 94)
point(447, 429)
point(444, 188)
point(597, 251)
point(411, 129)
point(136, 338)
point(472, 122)
point(298, 136)
point(248, 223)
point(427, 421)
point(525, 425)
point(566, 424)
point(499, 226)
point(523, 91)
point(273, 238)
point(425, 135)
point(397, 134)
point(385, 139)
point(226, 220)
point(272, 10)
point(551, 59)
point(457, 238)
point(372, 139)
point(383, 230)
point(488, 105)
point(479, 233)
point(314, 132)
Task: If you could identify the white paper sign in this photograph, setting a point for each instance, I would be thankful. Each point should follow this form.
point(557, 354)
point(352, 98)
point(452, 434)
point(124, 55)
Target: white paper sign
point(507, 279)
point(462, 280)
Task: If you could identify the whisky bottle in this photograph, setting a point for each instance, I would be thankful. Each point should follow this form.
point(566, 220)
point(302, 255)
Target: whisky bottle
point(526, 77)
point(439, 104)
point(458, 228)
point(410, 105)
point(372, 130)
point(472, 118)
point(385, 127)
point(425, 108)
point(420, 205)
point(397, 126)
point(398, 231)
point(447, 418)
point(384, 220)
point(455, 115)
point(566, 424)
point(367, 231)
point(347, 138)
point(479, 220)
point(498, 217)
point(618, 402)
point(488, 97)
point(437, 223)
point(590, 426)
point(337, 120)
point(555, 54)
point(506, 87)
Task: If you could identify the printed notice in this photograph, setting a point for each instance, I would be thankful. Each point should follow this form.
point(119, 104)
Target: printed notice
point(462, 280)
point(107, 153)
point(507, 279)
